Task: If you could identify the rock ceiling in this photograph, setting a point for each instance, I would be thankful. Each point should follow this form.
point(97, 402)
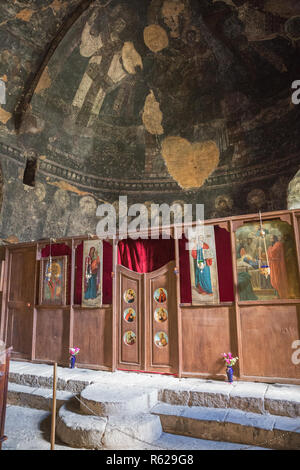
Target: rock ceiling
point(162, 100)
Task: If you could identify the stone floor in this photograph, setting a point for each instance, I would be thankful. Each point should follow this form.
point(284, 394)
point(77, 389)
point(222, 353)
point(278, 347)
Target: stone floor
point(29, 429)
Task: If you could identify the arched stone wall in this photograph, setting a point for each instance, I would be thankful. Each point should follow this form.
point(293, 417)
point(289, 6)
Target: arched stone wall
point(293, 193)
point(164, 100)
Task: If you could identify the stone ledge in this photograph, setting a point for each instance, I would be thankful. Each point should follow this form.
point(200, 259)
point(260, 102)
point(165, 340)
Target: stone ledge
point(248, 397)
point(116, 432)
point(41, 398)
point(109, 400)
point(283, 400)
point(257, 398)
point(132, 432)
point(80, 430)
point(230, 425)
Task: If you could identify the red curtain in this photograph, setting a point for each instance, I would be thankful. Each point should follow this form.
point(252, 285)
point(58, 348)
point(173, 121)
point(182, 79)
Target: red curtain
point(144, 256)
point(224, 261)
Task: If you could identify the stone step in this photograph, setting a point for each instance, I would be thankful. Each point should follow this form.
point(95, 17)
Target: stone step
point(230, 425)
point(38, 398)
point(78, 430)
point(175, 442)
point(109, 400)
point(41, 375)
point(276, 399)
point(137, 432)
point(115, 432)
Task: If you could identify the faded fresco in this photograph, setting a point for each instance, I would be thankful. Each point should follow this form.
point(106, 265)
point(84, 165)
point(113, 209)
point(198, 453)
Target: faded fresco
point(267, 261)
point(203, 267)
point(163, 100)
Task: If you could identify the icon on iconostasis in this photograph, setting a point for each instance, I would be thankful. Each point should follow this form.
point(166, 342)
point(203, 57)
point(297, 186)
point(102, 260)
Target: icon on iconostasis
point(160, 295)
point(129, 296)
point(129, 315)
point(129, 338)
point(53, 280)
point(161, 339)
point(92, 272)
point(160, 315)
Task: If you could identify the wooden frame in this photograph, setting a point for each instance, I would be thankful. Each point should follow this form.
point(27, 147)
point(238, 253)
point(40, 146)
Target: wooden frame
point(4, 372)
point(210, 329)
point(208, 265)
point(2, 275)
point(95, 298)
point(61, 288)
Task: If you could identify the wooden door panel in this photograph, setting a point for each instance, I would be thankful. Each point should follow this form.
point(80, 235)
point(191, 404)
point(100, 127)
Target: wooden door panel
point(207, 332)
point(268, 333)
point(159, 344)
point(20, 301)
point(156, 344)
point(19, 332)
point(22, 278)
point(52, 335)
point(129, 332)
point(92, 333)
point(161, 314)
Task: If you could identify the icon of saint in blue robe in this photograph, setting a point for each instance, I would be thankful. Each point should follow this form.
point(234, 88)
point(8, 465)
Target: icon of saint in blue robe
point(202, 270)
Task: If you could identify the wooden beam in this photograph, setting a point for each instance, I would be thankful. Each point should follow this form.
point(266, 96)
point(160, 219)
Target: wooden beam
point(178, 298)
point(115, 297)
point(236, 301)
point(53, 418)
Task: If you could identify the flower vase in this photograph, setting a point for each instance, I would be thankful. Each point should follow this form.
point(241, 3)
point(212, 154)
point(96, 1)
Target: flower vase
point(72, 361)
point(229, 372)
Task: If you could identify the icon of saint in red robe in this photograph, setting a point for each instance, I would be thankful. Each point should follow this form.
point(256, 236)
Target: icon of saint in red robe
point(278, 271)
point(92, 276)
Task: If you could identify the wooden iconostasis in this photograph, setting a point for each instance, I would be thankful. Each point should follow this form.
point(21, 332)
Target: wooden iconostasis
point(154, 305)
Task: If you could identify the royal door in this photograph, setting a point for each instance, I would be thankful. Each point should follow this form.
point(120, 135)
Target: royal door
point(147, 320)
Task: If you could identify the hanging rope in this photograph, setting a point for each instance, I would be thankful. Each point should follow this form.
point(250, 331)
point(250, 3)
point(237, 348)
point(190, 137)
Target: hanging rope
point(50, 258)
point(263, 233)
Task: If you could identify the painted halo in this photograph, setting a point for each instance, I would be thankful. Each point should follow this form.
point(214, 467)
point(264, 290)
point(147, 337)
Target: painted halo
point(129, 315)
point(129, 296)
point(161, 339)
point(160, 295)
point(160, 315)
point(129, 338)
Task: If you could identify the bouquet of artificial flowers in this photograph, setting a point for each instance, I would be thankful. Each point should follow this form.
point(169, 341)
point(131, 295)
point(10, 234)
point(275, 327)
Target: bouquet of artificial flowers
point(229, 360)
point(74, 351)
